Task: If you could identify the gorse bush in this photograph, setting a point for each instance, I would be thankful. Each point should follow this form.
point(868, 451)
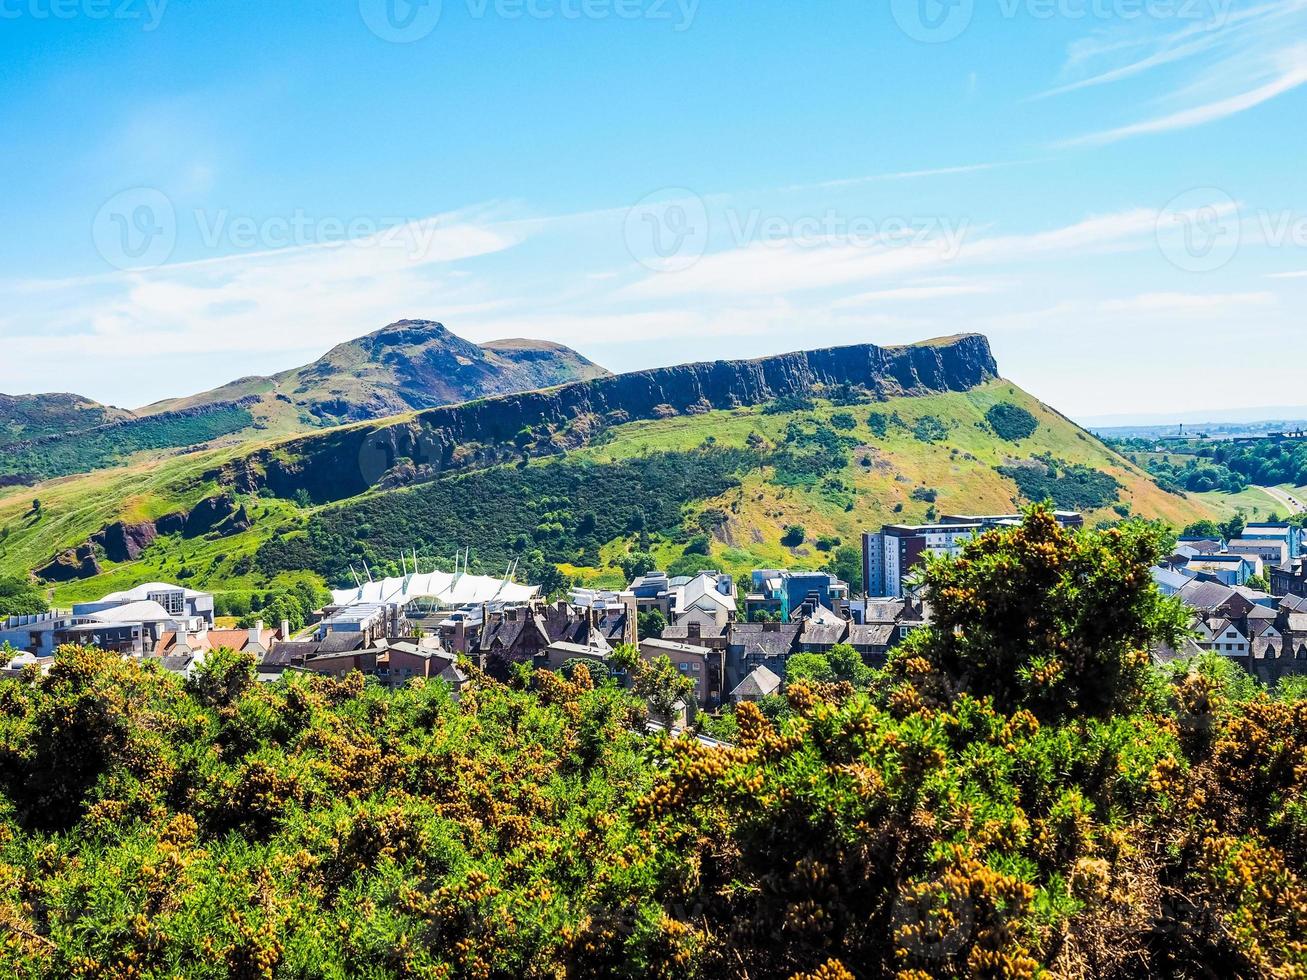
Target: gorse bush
point(990, 805)
point(1011, 422)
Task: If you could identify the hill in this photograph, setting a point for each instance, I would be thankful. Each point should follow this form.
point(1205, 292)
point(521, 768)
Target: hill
point(25, 417)
point(413, 364)
point(410, 364)
point(782, 460)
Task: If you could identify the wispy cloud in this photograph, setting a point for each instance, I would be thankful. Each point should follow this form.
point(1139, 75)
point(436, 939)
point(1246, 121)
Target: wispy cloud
point(1291, 78)
point(1254, 52)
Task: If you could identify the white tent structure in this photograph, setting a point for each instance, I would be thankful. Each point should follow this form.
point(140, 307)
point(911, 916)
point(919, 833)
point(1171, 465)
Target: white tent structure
point(439, 589)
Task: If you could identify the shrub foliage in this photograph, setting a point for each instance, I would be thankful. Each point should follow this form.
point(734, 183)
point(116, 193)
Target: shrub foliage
point(989, 805)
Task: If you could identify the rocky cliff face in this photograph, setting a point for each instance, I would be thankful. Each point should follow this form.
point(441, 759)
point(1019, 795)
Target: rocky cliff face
point(348, 461)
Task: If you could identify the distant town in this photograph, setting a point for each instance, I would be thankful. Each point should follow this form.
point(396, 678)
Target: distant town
point(733, 640)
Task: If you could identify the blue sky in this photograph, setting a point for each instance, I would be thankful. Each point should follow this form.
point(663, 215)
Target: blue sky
point(1112, 190)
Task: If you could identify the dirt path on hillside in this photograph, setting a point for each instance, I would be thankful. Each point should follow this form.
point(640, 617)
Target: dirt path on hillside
point(1289, 500)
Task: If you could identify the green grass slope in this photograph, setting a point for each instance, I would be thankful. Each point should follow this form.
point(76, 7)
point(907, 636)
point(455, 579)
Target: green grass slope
point(718, 489)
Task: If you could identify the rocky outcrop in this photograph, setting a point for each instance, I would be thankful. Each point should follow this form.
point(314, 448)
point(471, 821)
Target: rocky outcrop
point(121, 541)
point(348, 461)
point(67, 566)
point(125, 542)
point(219, 513)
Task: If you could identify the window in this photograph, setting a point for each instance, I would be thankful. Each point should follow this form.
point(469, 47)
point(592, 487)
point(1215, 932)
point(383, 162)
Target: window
point(173, 602)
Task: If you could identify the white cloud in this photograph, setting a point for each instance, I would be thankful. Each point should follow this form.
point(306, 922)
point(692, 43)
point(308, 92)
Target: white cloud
point(1199, 115)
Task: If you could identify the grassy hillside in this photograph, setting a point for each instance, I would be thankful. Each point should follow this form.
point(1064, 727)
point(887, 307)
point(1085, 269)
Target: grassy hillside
point(80, 452)
point(733, 484)
point(24, 417)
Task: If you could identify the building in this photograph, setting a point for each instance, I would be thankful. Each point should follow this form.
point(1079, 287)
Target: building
point(1279, 531)
point(176, 601)
point(1228, 569)
point(707, 599)
point(1271, 551)
point(371, 620)
point(890, 554)
point(701, 665)
point(795, 595)
point(760, 683)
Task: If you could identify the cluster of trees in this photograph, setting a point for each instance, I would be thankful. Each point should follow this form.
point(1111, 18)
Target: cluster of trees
point(1072, 486)
point(292, 604)
point(810, 451)
point(1018, 794)
point(1011, 422)
point(20, 596)
point(574, 506)
point(1266, 462)
point(81, 452)
point(1195, 474)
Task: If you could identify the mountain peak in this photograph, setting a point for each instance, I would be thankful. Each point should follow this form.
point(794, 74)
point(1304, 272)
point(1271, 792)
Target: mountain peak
point(406, 365)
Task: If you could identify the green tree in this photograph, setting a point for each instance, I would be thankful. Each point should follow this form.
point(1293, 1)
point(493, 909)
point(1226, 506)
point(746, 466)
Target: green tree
point(808, 667)
point(20, 596)
point(1043, 618)
point(637, 563)
point(846, 665)
point(651, 624)
point(661, 685)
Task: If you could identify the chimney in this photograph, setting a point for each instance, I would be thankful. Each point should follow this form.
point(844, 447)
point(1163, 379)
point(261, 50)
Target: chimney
point(285, 630)
point(460, 636)
point(258, 626)
point(694, 630)
point(771, 627)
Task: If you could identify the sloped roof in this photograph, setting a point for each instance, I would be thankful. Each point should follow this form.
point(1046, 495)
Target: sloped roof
point(1163, 654)
point(683, 632)
point(702, 587)
point(774, 642)
point(1205, 595)
point(871, 635)
point(131, 612)
point(341, 642)
point(822, 634)
point(760, 683)
point(1170, 579)
point(673, 647)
